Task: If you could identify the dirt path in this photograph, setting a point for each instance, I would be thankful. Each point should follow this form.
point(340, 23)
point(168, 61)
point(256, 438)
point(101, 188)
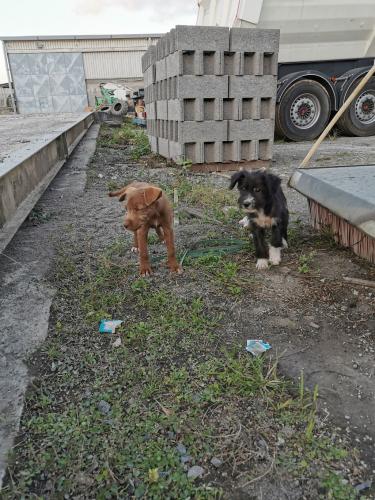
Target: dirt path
point(316, 324)
point(25, 294)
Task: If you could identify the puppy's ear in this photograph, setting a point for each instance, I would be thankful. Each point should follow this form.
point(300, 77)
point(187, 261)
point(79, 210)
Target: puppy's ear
point(273, 182)
point(152, 194)
point(237, 178)
point(143, 198)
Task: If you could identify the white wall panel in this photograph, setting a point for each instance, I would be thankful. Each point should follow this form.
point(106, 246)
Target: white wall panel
point(107, 65)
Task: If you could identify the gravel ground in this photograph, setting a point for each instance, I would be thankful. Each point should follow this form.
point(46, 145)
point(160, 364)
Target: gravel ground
point(315, 322)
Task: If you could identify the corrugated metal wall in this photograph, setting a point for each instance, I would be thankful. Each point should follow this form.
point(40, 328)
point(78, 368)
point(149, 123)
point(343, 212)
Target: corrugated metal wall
point(107, 65)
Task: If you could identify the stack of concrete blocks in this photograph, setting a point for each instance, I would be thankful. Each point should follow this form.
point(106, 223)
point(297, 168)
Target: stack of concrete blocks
point(210, 93)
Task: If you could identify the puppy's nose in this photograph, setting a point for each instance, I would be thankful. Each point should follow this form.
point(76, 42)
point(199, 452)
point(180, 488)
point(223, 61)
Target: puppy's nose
point(247, 204)
point(126, 225)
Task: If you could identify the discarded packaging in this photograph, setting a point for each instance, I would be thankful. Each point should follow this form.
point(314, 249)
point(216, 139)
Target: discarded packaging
point(109, 325)
point(257, 347)
point(117, 342)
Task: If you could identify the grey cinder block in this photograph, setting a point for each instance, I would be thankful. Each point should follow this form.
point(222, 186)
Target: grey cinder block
point(265, 149)
point(210, 94)
point(174, 64)
point(175, 150)
point(162, 110)
point(160, 70)
point(149, 75)
point(189, 86)
point(209, 38)
point(153, 144)
point(207, 130)
point(252, 86)
point(194, 151)
point(250, 129)
point(151, 111)
point(254, 40)
point(163, 147)
point(175, 109)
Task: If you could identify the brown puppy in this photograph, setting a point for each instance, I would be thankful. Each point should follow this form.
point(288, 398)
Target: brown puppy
point(147, 207)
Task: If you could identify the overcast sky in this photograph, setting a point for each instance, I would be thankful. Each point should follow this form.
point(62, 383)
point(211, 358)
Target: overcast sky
point(91, 17)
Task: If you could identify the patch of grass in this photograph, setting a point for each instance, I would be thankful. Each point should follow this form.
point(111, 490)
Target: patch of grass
point(127, 134)
point(178, 378)
point(38, 216)
point(141, 145)
point(304, 262)
point(337, 488)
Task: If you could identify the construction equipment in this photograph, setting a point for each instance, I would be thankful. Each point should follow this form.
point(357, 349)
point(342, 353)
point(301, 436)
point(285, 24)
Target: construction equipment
point(113, 98)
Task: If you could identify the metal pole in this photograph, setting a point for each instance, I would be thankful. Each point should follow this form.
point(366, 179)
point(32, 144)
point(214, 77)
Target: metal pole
point(11, 87)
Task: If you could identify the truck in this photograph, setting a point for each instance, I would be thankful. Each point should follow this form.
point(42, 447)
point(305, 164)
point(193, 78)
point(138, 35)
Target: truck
point(326, 47)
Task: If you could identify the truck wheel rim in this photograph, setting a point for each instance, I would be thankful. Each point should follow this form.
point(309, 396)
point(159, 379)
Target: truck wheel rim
point(365, 108)
point(305, 111)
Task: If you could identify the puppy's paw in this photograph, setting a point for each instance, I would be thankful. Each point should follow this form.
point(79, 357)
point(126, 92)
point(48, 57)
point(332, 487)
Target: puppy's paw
point(145, 270)
point(174, 267)
point(262, 264)
point(285, 243)
point(134, 249)
point(275, 256)
point(244, 222)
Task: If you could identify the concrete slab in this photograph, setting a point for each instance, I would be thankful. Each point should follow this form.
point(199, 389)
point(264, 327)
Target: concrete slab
point(348, 192)
point(19, 134)
point(27, 170)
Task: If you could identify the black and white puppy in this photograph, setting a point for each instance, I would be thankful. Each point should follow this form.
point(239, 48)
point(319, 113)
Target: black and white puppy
point(262, 198)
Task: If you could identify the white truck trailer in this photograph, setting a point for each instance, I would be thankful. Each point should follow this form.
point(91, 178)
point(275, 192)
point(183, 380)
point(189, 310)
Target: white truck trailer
point(326, 46)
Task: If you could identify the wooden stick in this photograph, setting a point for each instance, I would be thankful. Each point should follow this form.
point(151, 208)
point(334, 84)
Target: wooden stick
point(340, 112)
point(357, 281)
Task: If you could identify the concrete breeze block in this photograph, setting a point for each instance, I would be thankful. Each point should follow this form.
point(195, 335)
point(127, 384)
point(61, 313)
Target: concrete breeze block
point(175, 150)
point(175, 109)
point(250, 129)
point(154, 144)
point(151, 111)
point(163, 146)
point(189, 86)
point(210, 93)
point(252, 86)
point(160, 70)
point(162, 110)
point(254, 40)
point(209, 130)
point(174, 64)
point(201, 38)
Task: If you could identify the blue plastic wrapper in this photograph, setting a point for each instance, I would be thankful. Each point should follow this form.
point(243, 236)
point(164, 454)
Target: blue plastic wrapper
point(109, 325)
point(257, 347)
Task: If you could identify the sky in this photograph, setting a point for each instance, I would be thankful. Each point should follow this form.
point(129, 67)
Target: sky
point(91, 17)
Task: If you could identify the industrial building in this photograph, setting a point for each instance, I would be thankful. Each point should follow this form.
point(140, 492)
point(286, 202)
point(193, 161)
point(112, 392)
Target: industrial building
point(54, 74)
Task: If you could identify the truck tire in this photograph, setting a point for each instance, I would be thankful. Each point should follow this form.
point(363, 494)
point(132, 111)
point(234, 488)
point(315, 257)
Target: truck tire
point(119, 108)
point(359, 118)
point(303, 111)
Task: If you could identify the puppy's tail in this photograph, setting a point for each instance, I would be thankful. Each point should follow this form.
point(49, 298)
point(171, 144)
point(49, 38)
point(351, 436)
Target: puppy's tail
point(116, 193)
point(120, 192)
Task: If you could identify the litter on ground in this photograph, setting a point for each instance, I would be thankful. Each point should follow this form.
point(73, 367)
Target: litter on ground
point(257, 347)
point(109, 326)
